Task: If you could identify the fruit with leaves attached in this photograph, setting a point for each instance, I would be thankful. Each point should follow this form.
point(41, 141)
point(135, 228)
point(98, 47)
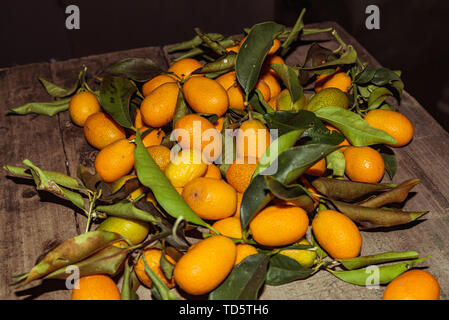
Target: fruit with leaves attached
point(329, 97)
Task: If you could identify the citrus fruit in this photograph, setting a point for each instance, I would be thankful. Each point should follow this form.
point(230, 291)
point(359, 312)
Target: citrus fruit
point(153, 138)
point(273, 102)
point(115, 160)
point(318, 168)
point(81, 106)
point(253, 138)
point(284, 102)
point(134, 230)
point(205, 265)
point(304, 257)
point(184, 67)
point(158, 108)
point(161, 155)
point(239, 174)
point(344, 142)
point(138, 122)
point(337, 234)
point(263, 87)
point(235, 97)
point(227, 80)
point(205, 95)
point(338, 80)
point(394, 123)
point(328, 97)
point(101, 130)
point(95, 287)
point(270, 59)
point(244, 250)
point(155, 82)
point(212, 172)
point(186, 166)
point(233, 48)
point(195, 132)
point(210, 198)
point(279, 225)
point(152, 259)
point(364, 164)
point(413, 285)
point(229, 227)
point(239, 203)
point(272, 83)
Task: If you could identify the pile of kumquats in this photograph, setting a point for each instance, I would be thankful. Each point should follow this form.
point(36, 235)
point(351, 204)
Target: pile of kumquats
point(232, 170)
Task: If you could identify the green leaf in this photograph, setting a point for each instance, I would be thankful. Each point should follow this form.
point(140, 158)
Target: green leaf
point(126, 209)
point(355, 129)
point(366, 276)
point(225, 63)
point(137, 69)
point(348, 57)
point(395, 195)
point(365, 76)
point(282, 191)
point(115, 95)
point(129, 284)
point(347, 190)
point(360, 262)
point(289, 77)
point(384, 76)
point(245, 280)
point(166, 266)
point(377, 97)
point(291, 164)
point(43, 108)
point(276, 147)
point(181, 108)
point(194, 42)
point(258, 103)
point(150, 175)
point(69, 252)
point(107, 261)
point(306, 121)
point(293, 34)
point(253, 51)
point(60, 92)
point(391, 164)
point(46, 183)
point(335, 162)
point(321, 254)
point(283, 269)
point(370, 218)
point(157, 285)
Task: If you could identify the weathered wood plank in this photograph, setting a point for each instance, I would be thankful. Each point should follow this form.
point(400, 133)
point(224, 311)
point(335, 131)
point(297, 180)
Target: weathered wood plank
point(425, 158)
point(29, 220)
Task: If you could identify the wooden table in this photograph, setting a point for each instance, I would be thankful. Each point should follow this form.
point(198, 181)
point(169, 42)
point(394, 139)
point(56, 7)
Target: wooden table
point(31, 221)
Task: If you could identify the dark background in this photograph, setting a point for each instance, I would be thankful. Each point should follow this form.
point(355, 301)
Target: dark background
point(413, 35)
